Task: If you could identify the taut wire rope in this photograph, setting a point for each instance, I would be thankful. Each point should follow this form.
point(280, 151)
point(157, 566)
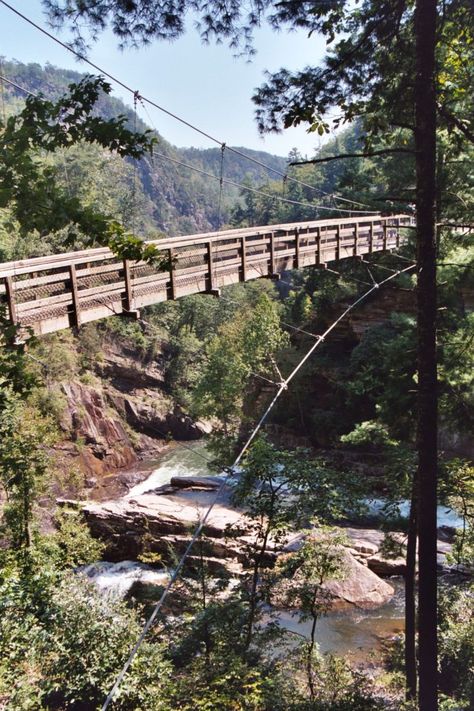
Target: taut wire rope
point(2, 89)
point(229, 471)
point(221, 186)
point(136, 99)
point(242, 186)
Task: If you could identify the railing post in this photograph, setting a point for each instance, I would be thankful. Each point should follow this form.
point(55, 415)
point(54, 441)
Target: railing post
point(384, 227)
point(338, 243)
point(371, 238)
point(211, 280)
point(76, 309)
point(397, 225)
point(297, 263)
point(128, 286)
point(10, 292)
point(356, 239)
point(243, 254)
point(172, 279)
point(272, 254)
point(318, 247)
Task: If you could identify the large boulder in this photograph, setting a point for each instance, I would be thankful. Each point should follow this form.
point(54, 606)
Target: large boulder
point(359, 587)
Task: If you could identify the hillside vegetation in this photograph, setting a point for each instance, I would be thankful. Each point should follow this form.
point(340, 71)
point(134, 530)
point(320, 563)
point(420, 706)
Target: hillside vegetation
point(149, 196)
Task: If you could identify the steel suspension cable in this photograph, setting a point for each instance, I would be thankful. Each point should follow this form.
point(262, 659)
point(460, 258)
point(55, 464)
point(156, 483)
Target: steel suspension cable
point(242, 186)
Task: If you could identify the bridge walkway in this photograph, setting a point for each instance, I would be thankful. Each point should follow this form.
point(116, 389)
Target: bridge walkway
point(47, 294)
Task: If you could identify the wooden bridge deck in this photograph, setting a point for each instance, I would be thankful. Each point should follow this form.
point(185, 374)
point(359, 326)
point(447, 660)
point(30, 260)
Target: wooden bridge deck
point(46, 294)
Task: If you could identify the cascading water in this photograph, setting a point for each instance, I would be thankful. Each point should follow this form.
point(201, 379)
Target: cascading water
point(117, 578)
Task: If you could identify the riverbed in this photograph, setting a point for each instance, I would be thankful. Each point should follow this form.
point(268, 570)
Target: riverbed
point(354, 633)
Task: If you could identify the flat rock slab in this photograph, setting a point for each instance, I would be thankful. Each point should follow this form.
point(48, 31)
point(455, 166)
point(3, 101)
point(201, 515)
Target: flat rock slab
point(162, 513)
point(165, 522)
point(196, 482)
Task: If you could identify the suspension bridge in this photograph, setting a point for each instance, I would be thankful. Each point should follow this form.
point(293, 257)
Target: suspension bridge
point(47, 294)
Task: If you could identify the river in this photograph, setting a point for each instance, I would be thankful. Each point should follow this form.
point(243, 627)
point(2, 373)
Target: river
point(353, 633)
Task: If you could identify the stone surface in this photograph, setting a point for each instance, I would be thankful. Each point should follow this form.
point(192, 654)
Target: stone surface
point(196, 482)
point(112, 423)
point(386, 567)
point(128, 371)
point(148, 417)
point(360, 586)
point(102, 443)
point(162, 522)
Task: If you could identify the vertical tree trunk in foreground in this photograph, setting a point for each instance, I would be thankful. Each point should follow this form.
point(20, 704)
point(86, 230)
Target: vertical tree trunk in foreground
point(410, 606)
point(425, 143)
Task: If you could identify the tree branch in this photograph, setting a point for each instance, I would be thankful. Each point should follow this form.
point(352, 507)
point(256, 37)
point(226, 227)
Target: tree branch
point(456, 122)
point(381, 152)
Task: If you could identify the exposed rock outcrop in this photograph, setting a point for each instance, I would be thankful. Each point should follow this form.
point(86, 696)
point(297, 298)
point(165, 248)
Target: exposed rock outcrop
point(160, 522)
point(103, 443)
point(145, 413)
point(113, 421)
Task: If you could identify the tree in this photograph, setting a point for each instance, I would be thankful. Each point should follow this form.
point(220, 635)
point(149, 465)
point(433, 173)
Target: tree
point(246, 345)
point(318, 560)
point(22, 467)
point(283, 491)
point(59, 649)
point(31, 191)
point(427, 398)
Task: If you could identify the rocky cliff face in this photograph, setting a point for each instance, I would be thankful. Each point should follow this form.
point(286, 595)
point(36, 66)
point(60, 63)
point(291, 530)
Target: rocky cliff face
point(112, 421)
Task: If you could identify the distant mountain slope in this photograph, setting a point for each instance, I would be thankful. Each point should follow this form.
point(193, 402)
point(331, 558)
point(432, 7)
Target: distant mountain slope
point(173, 199)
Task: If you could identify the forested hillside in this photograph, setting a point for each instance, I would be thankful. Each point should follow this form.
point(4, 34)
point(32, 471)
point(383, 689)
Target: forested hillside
point(153, 195)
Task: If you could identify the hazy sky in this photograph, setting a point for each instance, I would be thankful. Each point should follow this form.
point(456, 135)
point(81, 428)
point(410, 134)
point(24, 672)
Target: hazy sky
point(205, 85)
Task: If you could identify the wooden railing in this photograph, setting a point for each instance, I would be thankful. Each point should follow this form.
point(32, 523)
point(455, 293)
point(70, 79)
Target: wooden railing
point(46, 294)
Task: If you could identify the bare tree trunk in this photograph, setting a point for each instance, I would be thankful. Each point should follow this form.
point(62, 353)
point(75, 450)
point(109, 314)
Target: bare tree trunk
point(410, 607)
point(425, 144)
point(253, 589)
point(311, 645)
point(207, 641)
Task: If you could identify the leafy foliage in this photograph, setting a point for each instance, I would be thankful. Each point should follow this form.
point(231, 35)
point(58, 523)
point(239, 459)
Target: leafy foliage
point(73, 649)
point(30, 189)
